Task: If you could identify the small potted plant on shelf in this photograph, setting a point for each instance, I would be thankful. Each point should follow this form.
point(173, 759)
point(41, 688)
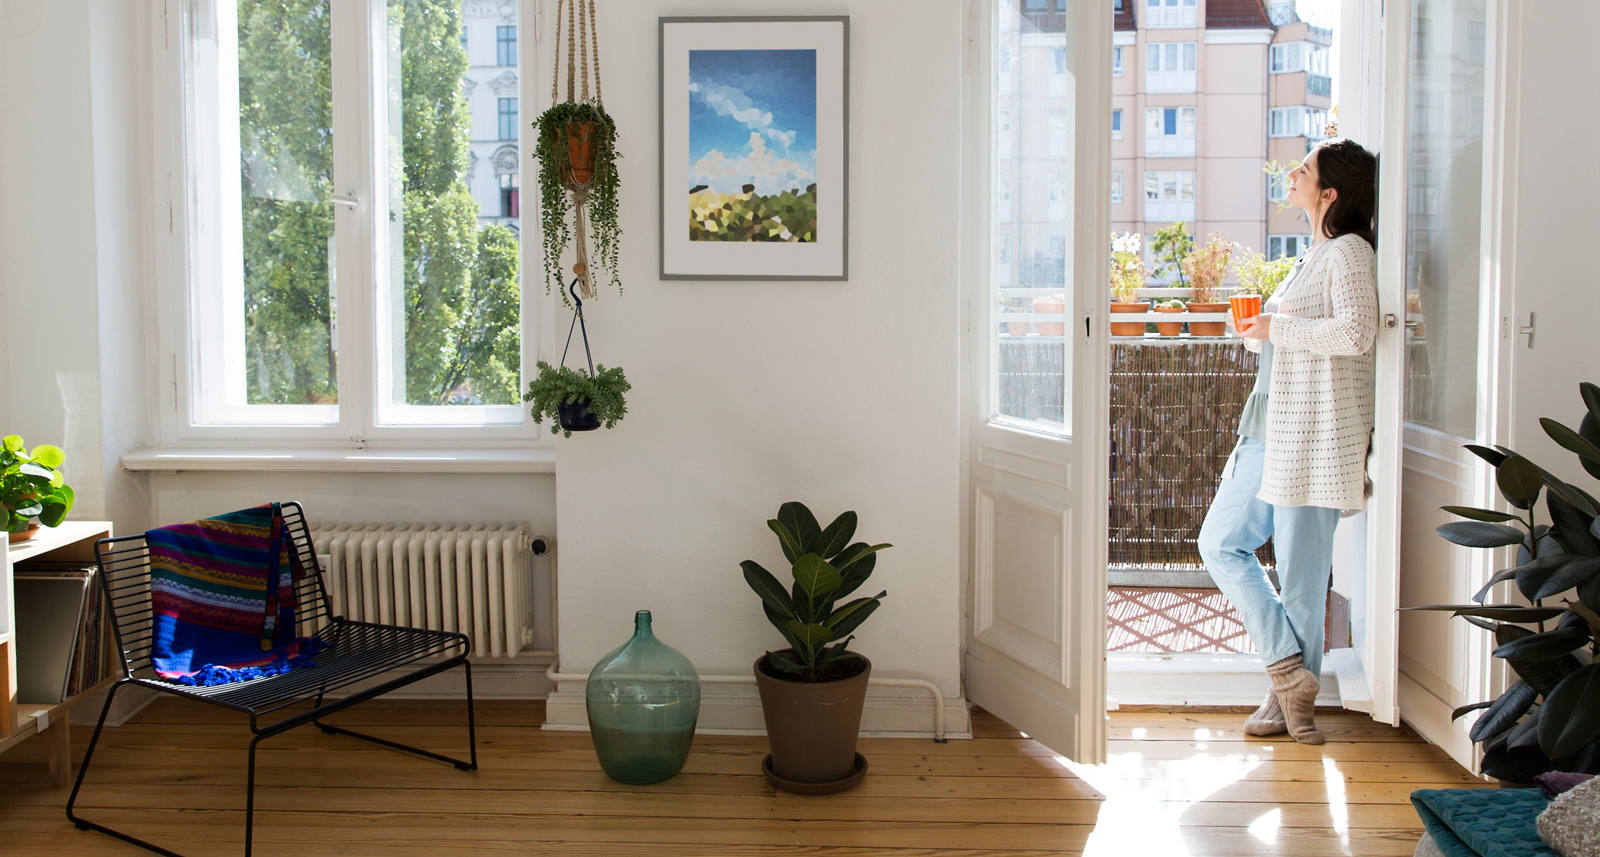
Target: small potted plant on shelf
point(1206, 266)
point(33, 490)
point(1549, 718)
point(1169, 328)
point(575, 401)
point(1128, 275)
point(1052, 305)
point(812, 691)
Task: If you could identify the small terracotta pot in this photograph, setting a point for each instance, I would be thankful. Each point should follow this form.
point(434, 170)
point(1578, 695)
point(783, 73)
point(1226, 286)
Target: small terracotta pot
point(1017, 328)
point(1050, 328)
point(1128, 328)
point(1169, 328)
point(580, 152)
point(30, 532)
point(1208, 328)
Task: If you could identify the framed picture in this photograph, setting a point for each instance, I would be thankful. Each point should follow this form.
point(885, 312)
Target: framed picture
point(754, 172)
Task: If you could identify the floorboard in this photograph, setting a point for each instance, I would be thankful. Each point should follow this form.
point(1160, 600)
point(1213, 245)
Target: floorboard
point(1177, 783)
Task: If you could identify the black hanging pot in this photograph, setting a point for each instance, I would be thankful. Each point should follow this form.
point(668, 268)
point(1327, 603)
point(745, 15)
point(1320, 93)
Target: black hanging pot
point(576, 416)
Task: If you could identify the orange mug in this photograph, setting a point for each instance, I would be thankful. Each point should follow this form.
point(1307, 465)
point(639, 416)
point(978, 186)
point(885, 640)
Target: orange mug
point(1244, 307)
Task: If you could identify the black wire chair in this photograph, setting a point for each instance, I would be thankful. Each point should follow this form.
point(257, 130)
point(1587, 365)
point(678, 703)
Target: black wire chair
point(379, 657)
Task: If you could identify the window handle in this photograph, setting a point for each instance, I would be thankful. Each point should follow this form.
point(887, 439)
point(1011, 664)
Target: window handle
point(350, 199)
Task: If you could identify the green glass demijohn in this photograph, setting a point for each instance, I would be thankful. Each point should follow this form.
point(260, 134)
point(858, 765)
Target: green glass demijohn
point(643, 701)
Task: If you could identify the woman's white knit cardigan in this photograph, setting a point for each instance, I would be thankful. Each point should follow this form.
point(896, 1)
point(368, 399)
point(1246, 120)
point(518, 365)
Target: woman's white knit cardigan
point(1319, 403)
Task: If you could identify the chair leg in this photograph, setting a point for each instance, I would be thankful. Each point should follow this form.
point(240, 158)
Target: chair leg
point(395, 745)
point(83, 768)
point(250, 796)
point(472, 722)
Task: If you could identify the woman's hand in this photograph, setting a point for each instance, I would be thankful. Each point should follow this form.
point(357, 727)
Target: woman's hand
point(1258, 328)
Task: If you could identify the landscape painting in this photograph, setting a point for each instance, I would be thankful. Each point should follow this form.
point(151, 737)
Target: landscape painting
point(752, 145)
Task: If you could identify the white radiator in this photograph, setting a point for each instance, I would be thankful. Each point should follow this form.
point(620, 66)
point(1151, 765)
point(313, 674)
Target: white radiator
point(474, 579)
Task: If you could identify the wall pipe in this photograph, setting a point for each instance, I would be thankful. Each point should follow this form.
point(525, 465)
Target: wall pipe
point(923, 684)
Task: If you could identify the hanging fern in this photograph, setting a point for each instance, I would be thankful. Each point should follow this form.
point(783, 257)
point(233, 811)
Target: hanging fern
point(555, 200)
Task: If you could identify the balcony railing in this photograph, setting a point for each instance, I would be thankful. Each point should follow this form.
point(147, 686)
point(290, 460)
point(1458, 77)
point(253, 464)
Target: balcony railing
point(1319, 84)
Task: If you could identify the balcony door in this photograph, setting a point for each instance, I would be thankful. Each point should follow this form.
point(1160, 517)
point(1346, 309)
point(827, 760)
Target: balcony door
point(1037, 351)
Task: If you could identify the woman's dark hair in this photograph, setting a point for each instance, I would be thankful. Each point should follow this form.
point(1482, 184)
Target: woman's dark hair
point(1352, 171)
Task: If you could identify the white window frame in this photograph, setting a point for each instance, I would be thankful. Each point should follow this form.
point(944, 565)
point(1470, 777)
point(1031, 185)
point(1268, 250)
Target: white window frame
point(1170, 14)
point(1116, 60)
point(1116, 187)
point(1181, 143)
point(1174, 195)
point(1116, 123)
point(1294, 57)
point(1294, 246)
point(1171, 66)
point(192, 314)
point(1277, 187)
point(1298, 121)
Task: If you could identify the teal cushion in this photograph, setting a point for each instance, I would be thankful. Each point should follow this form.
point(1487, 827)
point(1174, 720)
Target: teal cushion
point(1483, 822)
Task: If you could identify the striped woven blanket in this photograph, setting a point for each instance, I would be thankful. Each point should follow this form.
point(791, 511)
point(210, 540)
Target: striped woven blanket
point(222, 598)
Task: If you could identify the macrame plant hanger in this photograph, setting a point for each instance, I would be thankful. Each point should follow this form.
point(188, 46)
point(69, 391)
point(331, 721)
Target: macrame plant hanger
point(581, 30)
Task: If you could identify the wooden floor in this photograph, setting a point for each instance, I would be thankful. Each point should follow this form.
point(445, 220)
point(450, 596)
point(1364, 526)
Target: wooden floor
point(1177, 784)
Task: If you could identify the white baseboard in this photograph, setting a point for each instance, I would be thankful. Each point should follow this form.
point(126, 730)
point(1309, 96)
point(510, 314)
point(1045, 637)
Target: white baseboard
point(735, 709)
point(1137, 678)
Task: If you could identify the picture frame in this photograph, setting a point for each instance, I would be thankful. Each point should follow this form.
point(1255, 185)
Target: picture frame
point(754, 147)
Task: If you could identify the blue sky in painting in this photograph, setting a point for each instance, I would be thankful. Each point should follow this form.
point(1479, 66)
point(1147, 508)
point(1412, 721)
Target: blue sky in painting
point(753, 119)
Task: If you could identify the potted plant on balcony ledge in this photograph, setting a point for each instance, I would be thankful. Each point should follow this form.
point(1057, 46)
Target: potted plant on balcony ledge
point(1206, 267)
point(1170, 328)
point(1127, 278)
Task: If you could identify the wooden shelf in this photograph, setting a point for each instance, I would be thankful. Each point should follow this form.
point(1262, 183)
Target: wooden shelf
point(20, 720)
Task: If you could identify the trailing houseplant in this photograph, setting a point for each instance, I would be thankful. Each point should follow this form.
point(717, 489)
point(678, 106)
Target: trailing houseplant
point(32, 486)
point(1549, 719)
point(575, 143)
point(812, 691)
point(574, 401)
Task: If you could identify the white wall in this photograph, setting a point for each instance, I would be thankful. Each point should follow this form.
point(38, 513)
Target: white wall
point(843, 395)
point(70, 257)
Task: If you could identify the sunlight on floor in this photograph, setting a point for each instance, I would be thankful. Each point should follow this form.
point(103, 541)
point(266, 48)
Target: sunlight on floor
point(1148, 801)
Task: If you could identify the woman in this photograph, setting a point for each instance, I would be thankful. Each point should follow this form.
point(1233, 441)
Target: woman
point(1303, 436)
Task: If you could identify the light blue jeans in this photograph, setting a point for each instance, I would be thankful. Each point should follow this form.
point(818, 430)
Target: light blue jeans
point(1281, 624)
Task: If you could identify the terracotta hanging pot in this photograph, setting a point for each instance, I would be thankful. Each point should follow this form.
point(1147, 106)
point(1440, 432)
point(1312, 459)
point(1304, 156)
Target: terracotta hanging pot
point(1128, 328)
point(580, 152)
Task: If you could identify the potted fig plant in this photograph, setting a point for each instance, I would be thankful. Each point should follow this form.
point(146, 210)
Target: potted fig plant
point(574, 401)
point(1549, 718)
point(1127, 278)
point(575, 143)
point(33, 490)
point(1206, 266)
point(812, 691)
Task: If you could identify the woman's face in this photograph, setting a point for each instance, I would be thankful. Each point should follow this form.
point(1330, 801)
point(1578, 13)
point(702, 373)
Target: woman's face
point(1305, 186)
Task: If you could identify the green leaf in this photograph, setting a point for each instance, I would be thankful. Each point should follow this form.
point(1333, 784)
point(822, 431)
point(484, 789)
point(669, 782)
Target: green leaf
point(816, 579)
point(1570, 718)
point(1477, 534)
point(1531, 575)
point(781, 623)
point(1572, 494)
point(1488, 515)
point(1570, 524)
point(837, 536)
point(1501, 612)
point(835, 653)
point(1569, 440)
point(1500, 576)
point(786, 662)
point(767, 586)
point(808, 635)
point(1494, 457)
point(1542, 647)
point(1504, 712)
point(803, 525)
point(1519, 481)
point(856, 553)
point(1575, 571)
point(1589, 616)
point(39, 474)
point(33, 508)
point(48, 454)
point(786, 539)
point(850, 616)
point(13, 443)
point(1591, 398)
point(1464, 709)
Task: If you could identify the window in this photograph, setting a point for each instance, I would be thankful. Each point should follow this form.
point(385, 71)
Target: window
point(1277, 187)
point(505, 45)
point(508, 118)
point(1170, 66)
point(1293, 246)
point(464, 48)
point(1057, 86)
point(1169, 131)
point(1116, 61)
point(1002, 196)
point(1290, 57)
point(1162, 14)
point(1169, 195)
point(1305, 122)
point(1056, 192)
point(315, 300)
point(1116, 124)
point(1058, 132)
point(1116, 187)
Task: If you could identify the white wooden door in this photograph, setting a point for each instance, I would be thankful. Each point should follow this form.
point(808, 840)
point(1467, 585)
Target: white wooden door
point(1038, 446)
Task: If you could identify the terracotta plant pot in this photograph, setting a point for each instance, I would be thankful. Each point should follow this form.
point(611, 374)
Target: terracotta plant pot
point(1017, 328)
point(1207, 328)
point(1050, 307)
point(1169, 328)
point(580, 152)
point(1128, 328)
point(812, 727)
point(30, 532)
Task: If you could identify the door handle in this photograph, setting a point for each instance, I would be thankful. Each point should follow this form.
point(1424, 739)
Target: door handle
point(1527, 329)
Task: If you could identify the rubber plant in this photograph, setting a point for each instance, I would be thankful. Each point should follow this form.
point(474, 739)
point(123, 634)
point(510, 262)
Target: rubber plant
point(826, 566)
point(31, 485)
point(575, 143)
point(1549, 718)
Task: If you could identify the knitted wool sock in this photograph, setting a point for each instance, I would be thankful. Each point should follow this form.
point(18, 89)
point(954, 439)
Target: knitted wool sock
point(1266, 720)
point(1295, 689)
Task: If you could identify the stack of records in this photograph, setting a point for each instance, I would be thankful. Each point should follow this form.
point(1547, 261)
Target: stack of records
point(64, 640)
